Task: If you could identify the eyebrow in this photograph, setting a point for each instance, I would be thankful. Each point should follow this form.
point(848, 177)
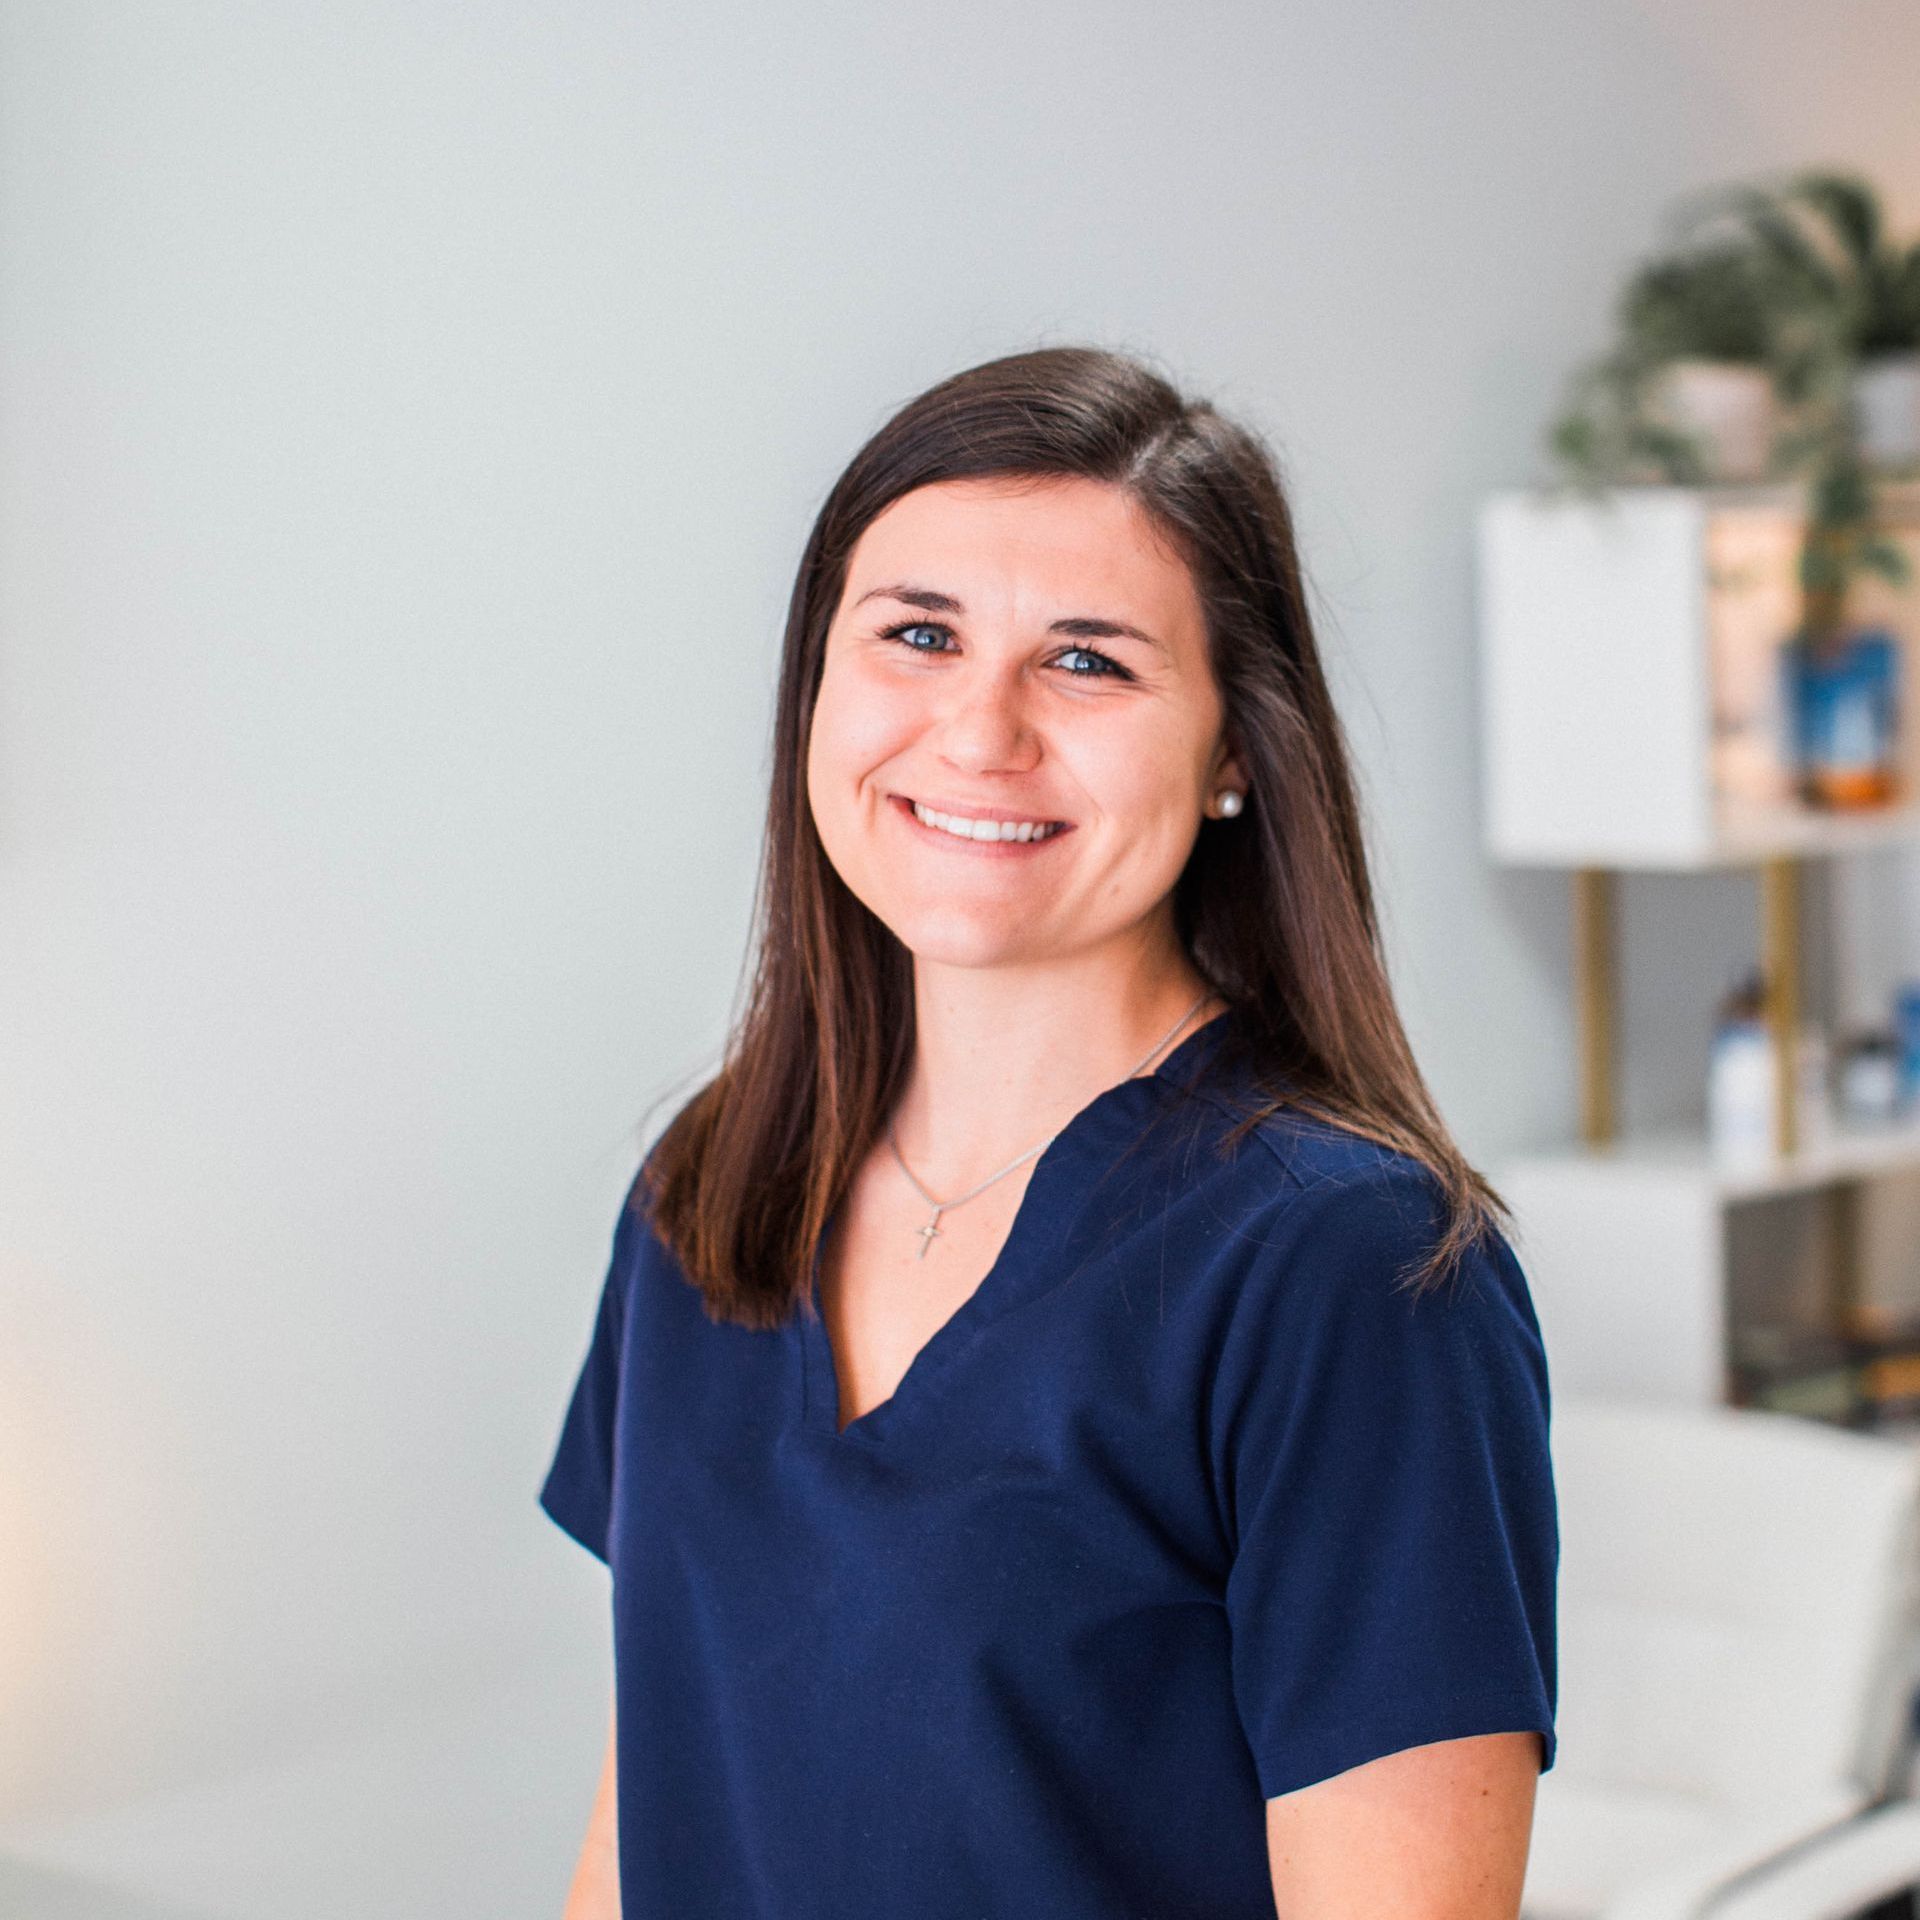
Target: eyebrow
point(1077, 627)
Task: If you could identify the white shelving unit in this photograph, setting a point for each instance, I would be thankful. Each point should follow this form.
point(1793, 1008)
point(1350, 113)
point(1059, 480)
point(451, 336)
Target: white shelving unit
point(1629, 725)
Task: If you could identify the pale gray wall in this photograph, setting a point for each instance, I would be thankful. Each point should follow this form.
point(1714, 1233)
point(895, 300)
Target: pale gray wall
point(410, 414)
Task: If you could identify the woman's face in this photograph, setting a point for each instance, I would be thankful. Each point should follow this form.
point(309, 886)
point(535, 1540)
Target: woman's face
point(1024, 661)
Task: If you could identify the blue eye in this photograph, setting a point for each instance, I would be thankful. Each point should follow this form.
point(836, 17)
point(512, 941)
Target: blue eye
point(1102, 666)
point(901, 627)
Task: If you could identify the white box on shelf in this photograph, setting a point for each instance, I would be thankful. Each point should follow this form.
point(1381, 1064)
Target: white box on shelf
point(1630, 689)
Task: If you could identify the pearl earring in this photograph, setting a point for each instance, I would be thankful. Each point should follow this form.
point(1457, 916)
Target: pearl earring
point(1228, 802)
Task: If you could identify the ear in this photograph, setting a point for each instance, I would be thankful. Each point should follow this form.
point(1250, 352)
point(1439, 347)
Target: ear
point(1228, 776)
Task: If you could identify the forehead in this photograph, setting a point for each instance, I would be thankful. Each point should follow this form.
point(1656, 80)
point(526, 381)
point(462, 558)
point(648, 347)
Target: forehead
point(1012, 545)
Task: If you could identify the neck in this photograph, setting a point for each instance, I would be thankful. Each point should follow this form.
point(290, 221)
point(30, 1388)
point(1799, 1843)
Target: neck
point(1005, 1056)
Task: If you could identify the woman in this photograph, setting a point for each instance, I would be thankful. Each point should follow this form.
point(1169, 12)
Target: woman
point(1068, 1430)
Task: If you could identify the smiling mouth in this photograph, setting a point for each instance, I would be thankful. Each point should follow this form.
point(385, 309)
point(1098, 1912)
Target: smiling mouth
point(983, 831)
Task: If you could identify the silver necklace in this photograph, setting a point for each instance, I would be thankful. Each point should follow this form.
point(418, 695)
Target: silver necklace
point(931, 1231)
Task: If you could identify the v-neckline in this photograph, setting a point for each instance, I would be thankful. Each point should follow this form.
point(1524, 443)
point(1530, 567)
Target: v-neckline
point(820, 1374)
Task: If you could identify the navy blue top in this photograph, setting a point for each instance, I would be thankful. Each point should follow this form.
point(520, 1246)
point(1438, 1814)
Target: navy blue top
point(1183, 1508)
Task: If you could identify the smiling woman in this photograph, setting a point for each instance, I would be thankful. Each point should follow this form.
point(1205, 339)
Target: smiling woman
point(1067, 1427)
point(934, 741)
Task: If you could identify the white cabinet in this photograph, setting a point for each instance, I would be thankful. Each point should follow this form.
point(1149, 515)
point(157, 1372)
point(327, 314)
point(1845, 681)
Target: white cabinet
point(1621, 642)
point(1632, 710)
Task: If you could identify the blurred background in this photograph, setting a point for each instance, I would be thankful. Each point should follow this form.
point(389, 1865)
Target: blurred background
point(410, 418)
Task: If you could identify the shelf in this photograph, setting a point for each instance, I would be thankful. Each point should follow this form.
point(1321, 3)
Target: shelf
point(1635, 710)
point(1746, 838)
point(1630, 680)
point(1852, 1151)
point(1738, 838)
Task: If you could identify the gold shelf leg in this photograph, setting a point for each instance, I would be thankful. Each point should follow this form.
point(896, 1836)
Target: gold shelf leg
point(1780, 968)
point(1596, 987)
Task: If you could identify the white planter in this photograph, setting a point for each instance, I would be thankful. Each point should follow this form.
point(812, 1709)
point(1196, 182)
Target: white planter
point(1727, 409)
point(1886, 406)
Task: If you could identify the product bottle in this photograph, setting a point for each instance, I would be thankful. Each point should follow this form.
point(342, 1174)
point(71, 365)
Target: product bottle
point(1742, 1074)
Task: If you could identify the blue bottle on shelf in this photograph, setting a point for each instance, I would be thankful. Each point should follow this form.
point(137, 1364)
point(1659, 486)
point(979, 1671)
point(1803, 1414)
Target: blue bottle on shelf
point(1906, 1024)
point(1843, 697)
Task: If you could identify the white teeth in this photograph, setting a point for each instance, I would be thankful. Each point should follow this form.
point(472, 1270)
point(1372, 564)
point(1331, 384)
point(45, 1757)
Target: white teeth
point(963, 829)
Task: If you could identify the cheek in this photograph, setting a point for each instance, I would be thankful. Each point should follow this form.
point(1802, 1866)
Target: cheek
point(855, 730)
point(1146, 786)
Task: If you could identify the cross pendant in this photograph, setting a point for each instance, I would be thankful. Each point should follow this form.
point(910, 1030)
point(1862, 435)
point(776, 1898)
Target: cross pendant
point(928, 1234)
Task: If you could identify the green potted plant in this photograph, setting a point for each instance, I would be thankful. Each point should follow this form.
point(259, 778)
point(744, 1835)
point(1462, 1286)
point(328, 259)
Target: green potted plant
point(1826, 233)
point(1709, 337)
point(1793, 287)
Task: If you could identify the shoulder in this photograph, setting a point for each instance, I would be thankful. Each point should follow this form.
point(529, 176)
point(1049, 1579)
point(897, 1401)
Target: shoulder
point(1329, 1229)
point(637, 1249)
point(652, 1286)
point(1328, 1353)
point(1292, 1164)
point(1295, 1177)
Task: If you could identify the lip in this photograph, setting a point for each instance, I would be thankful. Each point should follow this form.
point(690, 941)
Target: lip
point(963, 812)
point(903, 804)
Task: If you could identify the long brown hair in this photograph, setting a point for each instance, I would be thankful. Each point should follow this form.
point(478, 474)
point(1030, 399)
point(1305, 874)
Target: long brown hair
point(1275, 907)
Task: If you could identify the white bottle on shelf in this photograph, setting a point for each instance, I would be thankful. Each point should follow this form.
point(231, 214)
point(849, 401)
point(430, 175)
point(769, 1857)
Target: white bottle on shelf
point(1742, 1076)
point(1742, 1079)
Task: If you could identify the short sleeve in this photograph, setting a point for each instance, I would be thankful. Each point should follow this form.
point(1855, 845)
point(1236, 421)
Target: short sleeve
point(1389, 1488)
point(579, 1487)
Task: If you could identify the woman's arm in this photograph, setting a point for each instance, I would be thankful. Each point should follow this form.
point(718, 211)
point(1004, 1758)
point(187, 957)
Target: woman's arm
point(595, 1894)
point(1438, 1832)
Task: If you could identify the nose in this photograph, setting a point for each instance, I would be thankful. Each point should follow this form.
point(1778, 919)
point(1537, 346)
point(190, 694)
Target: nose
point(986, 727)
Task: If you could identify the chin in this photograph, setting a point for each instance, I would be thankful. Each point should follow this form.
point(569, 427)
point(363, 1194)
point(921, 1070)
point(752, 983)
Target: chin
point(949, 939)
